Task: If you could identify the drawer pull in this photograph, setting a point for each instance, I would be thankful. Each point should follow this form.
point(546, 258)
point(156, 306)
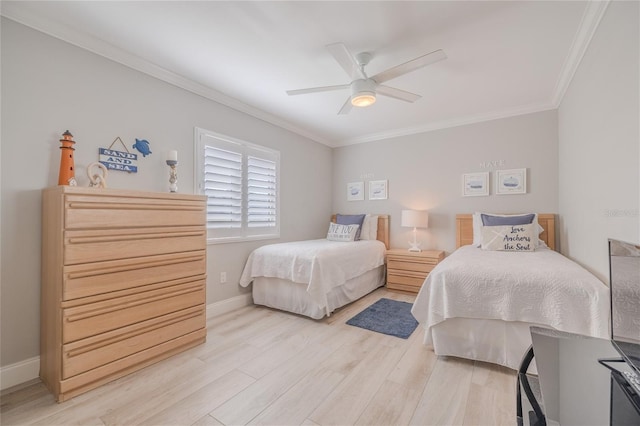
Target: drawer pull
point(133, 266)
point(129, 237)
point(130, 206)
point(108, 341)
point(149, 299)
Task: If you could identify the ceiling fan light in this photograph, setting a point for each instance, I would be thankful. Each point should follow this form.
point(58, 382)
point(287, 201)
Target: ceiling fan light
point(363, 99)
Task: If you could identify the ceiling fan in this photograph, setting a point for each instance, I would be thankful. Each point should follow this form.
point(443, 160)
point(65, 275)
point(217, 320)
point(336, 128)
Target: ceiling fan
point(364, 88)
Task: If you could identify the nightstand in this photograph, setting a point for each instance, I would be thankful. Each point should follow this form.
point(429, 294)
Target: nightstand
point(406, 271)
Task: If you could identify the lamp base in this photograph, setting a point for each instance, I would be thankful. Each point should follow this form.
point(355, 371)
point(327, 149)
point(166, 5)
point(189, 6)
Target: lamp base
point(414, 245)
point(415, 248)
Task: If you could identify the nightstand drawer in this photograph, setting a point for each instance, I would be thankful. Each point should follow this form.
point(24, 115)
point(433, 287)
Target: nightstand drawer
point(409, 266)
point(413, 280)
point(403, 287)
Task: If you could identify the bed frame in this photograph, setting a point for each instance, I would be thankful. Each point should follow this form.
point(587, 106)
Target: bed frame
point(464, 229)
point(383, 228)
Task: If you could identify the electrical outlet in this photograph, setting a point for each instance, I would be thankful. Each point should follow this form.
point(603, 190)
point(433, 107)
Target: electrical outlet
point(223, 277)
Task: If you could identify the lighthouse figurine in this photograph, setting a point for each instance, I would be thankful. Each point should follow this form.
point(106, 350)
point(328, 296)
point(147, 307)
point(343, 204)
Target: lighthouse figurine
point(67, 174)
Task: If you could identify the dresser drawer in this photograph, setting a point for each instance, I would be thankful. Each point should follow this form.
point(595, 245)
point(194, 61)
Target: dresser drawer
point(91, 279)
point(84, 381)
point(409, 265)
point(92, 352)
point(79, 322)
point(96, 246)
point(86, 212)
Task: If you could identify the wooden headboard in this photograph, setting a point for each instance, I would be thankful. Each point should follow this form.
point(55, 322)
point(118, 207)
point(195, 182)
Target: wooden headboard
point(464, 229)
point(383, 228)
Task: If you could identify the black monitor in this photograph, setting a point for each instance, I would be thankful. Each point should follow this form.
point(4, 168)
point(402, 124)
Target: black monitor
point(624, 282)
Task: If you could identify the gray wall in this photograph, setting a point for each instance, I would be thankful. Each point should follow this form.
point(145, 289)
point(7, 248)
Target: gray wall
point(599, 144)
point(49, 86)
point(425, 172)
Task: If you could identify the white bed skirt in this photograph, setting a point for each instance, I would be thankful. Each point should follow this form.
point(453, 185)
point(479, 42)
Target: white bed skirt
point(293, 297)
point(495, 341)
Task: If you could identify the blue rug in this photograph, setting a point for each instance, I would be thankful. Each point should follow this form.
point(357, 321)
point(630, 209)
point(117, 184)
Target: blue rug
point(387, 316)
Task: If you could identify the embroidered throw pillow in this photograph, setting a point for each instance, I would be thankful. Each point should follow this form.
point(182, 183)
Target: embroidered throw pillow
point(493, 219)
point(339, 232)
point(509, 237)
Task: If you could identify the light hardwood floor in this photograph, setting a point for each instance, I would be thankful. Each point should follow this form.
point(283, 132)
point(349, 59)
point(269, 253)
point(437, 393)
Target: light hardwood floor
point(263, 366)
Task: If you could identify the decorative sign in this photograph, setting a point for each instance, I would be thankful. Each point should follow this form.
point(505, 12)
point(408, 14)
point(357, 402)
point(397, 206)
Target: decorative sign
point(119, 160)
point(492, 164)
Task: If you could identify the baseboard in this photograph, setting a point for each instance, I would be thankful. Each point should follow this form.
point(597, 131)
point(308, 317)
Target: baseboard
point(29, 369)
point(222, 307)
point(19, 372)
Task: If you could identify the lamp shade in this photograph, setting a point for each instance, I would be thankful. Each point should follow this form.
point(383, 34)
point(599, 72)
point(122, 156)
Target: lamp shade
point(415, 218)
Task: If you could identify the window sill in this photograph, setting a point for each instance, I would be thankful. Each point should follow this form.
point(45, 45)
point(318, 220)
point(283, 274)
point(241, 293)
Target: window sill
point(214, 241)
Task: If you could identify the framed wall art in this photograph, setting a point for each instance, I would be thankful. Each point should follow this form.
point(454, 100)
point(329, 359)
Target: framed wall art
point(378, 190)
point(355, 191)
point(475, 184)
point(512, 181)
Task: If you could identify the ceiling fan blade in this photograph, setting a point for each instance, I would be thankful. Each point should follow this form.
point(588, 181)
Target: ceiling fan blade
point(392, 92)
point(317, 89)
point(346, 107)
point(412, 65)
point(346, 60)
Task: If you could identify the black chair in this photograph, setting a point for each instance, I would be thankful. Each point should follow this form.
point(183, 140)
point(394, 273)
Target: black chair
point(536, 417)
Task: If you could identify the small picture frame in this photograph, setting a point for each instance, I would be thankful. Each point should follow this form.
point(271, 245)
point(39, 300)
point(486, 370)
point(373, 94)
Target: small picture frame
point(475, 184)
point(355, 191)
point(512, 181)
point(378, 190)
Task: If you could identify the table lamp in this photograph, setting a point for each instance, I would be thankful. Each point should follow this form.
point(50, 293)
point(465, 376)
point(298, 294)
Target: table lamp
point(414, 219)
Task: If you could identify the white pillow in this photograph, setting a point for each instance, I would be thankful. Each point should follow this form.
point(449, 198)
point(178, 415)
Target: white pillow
point(509, 237)
point(477, 226)
point(339, 232)
point(369, 228)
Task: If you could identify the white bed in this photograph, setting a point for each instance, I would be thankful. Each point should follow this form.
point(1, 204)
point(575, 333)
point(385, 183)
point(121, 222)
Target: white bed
point(479, 304)
point(315, 277)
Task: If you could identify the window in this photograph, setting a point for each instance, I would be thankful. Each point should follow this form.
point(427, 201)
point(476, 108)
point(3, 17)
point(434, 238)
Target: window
point(241, 182)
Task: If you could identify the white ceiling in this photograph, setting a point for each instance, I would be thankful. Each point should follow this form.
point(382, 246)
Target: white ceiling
point(504, 58)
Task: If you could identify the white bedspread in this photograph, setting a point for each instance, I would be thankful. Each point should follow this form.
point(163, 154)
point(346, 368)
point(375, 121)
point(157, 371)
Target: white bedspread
point(541, 287)
point(321, 264)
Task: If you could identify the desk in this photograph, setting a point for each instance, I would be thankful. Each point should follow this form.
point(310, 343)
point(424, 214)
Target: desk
point(576, 389)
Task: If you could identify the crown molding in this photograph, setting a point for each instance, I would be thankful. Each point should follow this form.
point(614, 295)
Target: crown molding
point(588, 25)
point(121, 56)
point(456, 122)
point(590, 20)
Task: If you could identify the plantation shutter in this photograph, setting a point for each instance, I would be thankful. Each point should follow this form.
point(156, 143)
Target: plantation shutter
point(241, 182)
point(223, 187)
point(261, 192)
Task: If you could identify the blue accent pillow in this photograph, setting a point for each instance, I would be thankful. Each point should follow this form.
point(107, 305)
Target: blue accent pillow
point(525, 219)
point(351, 219)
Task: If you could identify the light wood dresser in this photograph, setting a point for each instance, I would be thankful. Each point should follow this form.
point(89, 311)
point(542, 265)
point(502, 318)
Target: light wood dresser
point(123, 283)
point(406, 271)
